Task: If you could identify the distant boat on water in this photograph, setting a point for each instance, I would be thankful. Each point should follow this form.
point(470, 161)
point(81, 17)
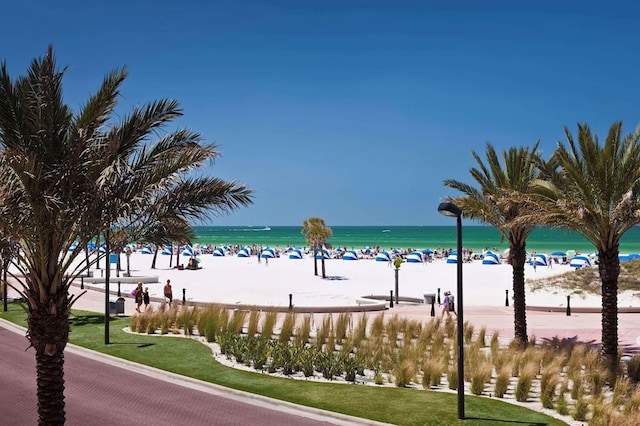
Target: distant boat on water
point(266, 228)
point(386, 230)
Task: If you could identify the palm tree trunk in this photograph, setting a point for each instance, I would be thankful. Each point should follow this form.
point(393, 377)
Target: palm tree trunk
point(50, 380)
point(155, 256)
point(609, 269)
point(315, 260)
point(49, 334)
point(518, 254)
point(324, 273)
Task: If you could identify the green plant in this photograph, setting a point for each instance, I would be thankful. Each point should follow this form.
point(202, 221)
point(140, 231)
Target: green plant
point(351, 367)
point(226, 340)
point(392, 328)
point(306, 360)
point(633, 404)
point(329, 364)
point(495, 344)
point(577, 379)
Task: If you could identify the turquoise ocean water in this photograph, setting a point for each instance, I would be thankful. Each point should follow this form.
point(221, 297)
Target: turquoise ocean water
point(420, 237)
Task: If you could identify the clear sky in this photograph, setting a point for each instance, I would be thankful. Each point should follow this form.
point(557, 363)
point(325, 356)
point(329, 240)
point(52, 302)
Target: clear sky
point(354, 111)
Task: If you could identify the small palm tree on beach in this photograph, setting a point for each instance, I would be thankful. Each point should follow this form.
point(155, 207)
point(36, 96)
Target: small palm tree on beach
point(594, 189)
point(493, 203)
point(67, 178)
point(316, 234)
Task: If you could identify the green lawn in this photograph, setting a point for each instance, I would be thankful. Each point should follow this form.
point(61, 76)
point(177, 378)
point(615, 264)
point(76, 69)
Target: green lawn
point(190, 358)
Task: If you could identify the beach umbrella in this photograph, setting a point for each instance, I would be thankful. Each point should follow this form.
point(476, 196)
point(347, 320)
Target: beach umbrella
point(414, 257)
point(167, 250)
point(218, 252)
point(490, 258)
point(540, 260)
point(427, 251)
point(339, 249)
point(188, 251)
point(244, 252)
point(73, 246)
point(295, 254)
point(325, 253)
point(383, 256)
point(453, 257)
point(559, 253)
point(350, 255)
point(147, 249)
point(580, 261)
point(268, 253)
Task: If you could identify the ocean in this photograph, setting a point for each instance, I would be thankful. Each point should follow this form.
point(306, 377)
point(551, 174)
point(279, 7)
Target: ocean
point(542, 240)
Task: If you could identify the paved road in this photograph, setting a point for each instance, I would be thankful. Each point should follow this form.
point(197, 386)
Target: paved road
point(98, 393)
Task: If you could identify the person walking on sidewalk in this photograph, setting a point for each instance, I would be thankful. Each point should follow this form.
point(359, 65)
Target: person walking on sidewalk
point(168, 292)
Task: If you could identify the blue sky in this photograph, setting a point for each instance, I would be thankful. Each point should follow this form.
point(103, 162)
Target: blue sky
point(355, 111)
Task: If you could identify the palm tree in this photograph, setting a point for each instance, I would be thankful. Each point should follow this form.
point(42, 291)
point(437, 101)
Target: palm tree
point(594, 189)
point(316, 234)
point(68, 177)
point(494, 203)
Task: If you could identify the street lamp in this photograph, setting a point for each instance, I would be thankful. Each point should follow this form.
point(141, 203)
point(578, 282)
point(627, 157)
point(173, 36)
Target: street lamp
point(450, 209)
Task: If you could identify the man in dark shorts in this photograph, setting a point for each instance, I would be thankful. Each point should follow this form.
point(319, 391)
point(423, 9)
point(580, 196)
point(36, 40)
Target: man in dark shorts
point(168, 293)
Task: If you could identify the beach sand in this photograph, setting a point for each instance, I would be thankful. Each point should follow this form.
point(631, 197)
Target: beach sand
point(233, 280)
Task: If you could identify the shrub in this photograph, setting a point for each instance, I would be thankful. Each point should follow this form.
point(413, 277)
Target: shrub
point(548, 382)
point(377, 326)
point(237, 321)
point(580, 410)
point(633, 404)
point(495, 344)
point(621, 391)
point(304, 330)
point(306, 360)
point(482, 335)
point(633, 369)
point(392, 328)
point(467, 332)
point(351, 367)
point(254, 319)
point(525, 381)
point(270, 319)
point(577, 389)
point(286, 331)
point(502, 381)
point(562, 407)
point(342, 324)
point(452, 377)
point(360, 332)
point(479, 377)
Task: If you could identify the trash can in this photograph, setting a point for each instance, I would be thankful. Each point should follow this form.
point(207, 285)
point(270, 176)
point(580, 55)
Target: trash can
point(429, 298)
point(116, 306)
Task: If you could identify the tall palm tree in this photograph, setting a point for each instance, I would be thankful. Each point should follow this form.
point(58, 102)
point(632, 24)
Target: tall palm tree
point(594, 189)
point(494, 203)
point(68, 177)
point(316, 234)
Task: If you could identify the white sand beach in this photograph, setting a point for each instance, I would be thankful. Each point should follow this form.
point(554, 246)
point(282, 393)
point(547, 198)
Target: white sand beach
point(234, 280)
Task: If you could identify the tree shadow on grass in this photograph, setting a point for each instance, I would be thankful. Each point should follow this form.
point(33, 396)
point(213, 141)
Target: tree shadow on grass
point(89, 319)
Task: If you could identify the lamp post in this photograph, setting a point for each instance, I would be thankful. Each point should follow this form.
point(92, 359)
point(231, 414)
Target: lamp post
point(450, 209)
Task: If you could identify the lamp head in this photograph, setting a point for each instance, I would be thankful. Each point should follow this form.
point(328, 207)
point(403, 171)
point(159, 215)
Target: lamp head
point(448, 208)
